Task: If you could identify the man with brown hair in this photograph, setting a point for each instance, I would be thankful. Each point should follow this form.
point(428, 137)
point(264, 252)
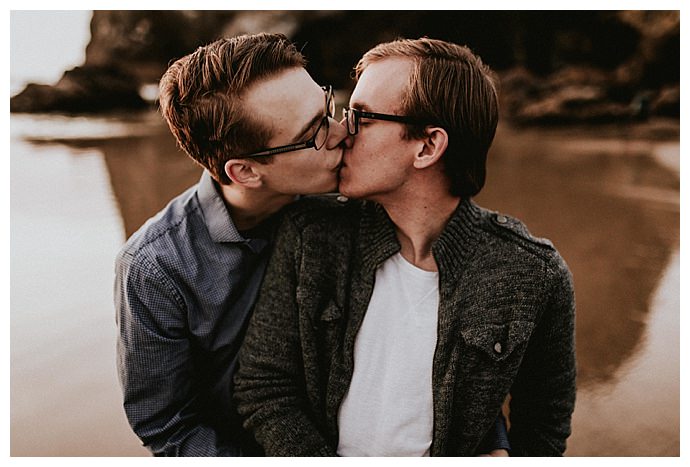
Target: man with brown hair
point(399, 325)
point(247, 111)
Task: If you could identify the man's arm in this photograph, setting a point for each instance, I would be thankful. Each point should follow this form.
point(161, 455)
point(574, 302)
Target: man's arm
point(270, 387)
point(543, 395)
point(155, 365)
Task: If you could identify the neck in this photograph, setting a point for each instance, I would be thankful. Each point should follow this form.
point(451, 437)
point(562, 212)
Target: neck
point(419, 220)
point(250, 207)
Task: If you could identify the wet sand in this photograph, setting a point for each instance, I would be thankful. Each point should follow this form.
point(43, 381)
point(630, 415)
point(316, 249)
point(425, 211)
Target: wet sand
point(608, 198)
point(610, 203)
point(65, 231)
point(637, 414)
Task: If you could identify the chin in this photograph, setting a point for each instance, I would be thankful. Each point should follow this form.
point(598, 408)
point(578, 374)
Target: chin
point(346, 187)
point(346, 191)
point(355, 192)
point(329, 187)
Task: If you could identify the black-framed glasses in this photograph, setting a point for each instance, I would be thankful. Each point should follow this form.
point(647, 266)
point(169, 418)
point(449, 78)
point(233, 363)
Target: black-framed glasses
point(353, 116)
point(317, 140)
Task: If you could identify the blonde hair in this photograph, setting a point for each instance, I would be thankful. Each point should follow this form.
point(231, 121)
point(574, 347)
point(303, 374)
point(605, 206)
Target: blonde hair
point(451, 87)
point(200, 96)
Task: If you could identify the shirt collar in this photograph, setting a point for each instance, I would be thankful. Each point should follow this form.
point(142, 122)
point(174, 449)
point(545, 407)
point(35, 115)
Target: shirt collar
point(216, 216)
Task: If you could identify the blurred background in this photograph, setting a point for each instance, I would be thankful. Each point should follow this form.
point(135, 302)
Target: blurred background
point(587, 154)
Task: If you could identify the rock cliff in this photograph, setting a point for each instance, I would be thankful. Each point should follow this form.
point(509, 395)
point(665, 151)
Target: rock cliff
point(554, 66)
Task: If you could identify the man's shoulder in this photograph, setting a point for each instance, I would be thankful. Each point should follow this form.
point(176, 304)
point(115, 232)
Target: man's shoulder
point(512, 232)
point(169, 227)
point(530, 257)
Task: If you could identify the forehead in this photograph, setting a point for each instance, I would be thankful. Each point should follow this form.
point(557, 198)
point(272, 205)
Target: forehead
point(284, 102)
point(380, 86)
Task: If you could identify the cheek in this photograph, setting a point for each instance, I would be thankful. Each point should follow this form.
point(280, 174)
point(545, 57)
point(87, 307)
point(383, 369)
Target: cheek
point(362, 155)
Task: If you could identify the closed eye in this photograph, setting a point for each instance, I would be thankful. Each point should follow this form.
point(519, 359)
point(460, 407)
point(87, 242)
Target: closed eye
point(308, 129)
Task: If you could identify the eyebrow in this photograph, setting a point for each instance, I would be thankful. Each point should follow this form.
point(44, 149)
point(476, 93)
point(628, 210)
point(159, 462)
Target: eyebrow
point(358, 106)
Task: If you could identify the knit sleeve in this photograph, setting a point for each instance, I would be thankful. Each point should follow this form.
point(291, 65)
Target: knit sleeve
point(543, 394)
point(270, 384)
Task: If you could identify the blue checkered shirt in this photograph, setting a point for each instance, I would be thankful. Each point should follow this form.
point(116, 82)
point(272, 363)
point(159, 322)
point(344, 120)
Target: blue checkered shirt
point(185, 285)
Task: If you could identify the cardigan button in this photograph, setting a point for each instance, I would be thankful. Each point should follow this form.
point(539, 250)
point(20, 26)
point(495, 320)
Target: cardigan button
point(342, 199)
point(498, 348)
point(501, 219)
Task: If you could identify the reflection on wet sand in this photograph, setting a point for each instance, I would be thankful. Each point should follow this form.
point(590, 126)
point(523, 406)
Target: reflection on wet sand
point(145, 173)
point(607, 198)
point(66, 230)
point(613, 212)
point(574, 191)
point(637, 414)
point(146, 178)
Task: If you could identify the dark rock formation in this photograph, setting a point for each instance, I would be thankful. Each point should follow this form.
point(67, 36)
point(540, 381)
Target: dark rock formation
point(642, 82)
point(84, 89)
point(143, 42)
point(555, 66)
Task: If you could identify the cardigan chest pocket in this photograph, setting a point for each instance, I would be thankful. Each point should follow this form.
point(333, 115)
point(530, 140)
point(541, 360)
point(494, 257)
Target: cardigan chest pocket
point(499, 341)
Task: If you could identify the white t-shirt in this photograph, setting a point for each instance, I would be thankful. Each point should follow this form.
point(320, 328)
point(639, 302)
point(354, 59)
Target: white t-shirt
point(388, 409)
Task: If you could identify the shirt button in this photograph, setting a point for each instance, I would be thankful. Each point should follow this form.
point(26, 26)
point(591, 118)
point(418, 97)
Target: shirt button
point(497, 347)
point(501, 219)
point(341, 199)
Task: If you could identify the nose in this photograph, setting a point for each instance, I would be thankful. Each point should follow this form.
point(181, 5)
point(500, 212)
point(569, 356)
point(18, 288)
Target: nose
point(350, 139)
point(337, 133)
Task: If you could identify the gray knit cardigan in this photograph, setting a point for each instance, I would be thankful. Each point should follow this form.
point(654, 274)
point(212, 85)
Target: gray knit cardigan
point(505, 327)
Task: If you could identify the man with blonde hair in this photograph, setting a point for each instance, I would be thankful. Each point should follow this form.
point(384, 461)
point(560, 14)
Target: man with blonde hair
point(246, 110)
point(398, 324)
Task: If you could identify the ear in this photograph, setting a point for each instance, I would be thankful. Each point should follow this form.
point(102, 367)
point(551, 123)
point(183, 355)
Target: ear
point(434, 145)
point(243, 172)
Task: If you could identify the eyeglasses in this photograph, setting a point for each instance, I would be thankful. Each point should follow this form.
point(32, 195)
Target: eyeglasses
point(317, 140)
point(353, 116)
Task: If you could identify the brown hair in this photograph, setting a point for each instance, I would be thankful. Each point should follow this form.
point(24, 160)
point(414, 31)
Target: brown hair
point(200, 96)
point(451, 87)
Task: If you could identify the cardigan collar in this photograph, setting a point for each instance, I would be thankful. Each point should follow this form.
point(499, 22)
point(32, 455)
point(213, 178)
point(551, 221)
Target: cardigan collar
point(451, 250)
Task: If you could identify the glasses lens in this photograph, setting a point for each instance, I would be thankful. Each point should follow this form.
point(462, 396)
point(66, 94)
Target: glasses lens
point(351, 120)
point(321, 134)
point(330, 103)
